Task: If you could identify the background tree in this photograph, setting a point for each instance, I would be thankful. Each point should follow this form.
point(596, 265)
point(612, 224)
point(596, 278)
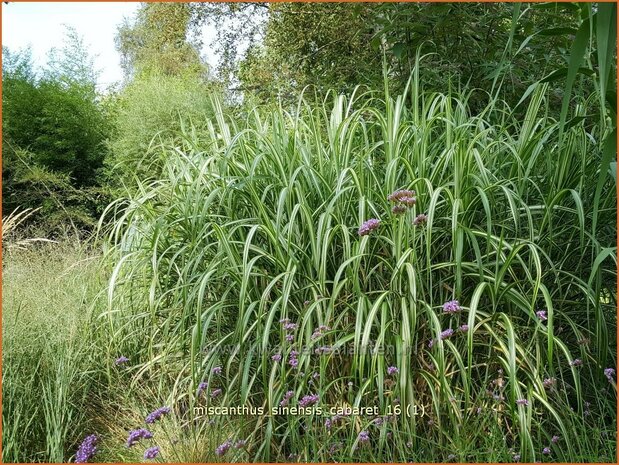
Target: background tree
point(162, 36)
point(54, 132)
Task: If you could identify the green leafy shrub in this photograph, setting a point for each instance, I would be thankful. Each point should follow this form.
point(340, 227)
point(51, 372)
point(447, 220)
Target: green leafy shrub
point(54, 132)
point(152, 110)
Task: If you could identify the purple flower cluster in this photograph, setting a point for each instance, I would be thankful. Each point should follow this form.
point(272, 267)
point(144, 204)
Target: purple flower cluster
point(398, 209)
point(137, 434)
point(402, 200)
point(369, 226)
point(378, 421)
point(524, 402)
point(555, 439)
point(541, 314)
point(215, 393)
point(293, 361)
point(151, 453)
point(202, 387)
point(546, 451)
point(157, 414)
point(309, 400)
point(286, 398)
point(364, 436)
point(277, 357)
point(318, 332)
point(322, 350)
point(223, 448)
point(452, 306)
point(289, 327)
point(121, 360)
point(403, 197)
point(216, 370)
point(87, 449)
point(576, 362)
point(420, 219)
point(392, 371)
point(609, 373)
point(446, 334)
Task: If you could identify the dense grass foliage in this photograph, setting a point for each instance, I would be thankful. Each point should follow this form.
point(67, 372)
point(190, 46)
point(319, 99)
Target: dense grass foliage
point(48, 350)
point(241, 265)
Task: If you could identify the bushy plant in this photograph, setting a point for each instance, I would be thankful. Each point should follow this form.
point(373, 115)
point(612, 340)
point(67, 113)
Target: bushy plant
point(363, 252)
point(53, 132)
point(152, 110)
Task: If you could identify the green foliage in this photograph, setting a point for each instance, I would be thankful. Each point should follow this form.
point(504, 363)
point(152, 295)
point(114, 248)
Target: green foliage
point(159, 39)
point(150, 111)
point(48, 352)
point(54, 132)
point(255, 220)
point(324, 45)
point(340, 46)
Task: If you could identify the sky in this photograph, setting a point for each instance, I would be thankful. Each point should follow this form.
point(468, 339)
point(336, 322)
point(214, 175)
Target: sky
point(40, 25)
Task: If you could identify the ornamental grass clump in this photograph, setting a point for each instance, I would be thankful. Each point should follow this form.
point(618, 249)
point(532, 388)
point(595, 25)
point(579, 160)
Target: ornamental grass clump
point(264, 230)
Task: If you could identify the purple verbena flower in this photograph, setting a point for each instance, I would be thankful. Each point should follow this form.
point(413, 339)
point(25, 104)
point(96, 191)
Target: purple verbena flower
point(393, 370)
point(541, 314)
point(87, 449)
point(137, 434)
point(420, 219)
point(401, 195)
point(151, 452)
point(157, 414)
point(289, 337)
point(445, 334)
point(322, 350)
point(524, 402)
point(286, 398)
point(216, 393)
point(277, 358)
point(223, 448)
point(216, 370)
point(369, 226)
point(576, 362)
point(555, 439)
point(408, 201)
point(452, 306)
point(364, 436)
point(463, 328)
point(546, 451)
point(121, 360)
point(202, 387)
point(609, 373)
point(309, 400)
point(398, 209)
